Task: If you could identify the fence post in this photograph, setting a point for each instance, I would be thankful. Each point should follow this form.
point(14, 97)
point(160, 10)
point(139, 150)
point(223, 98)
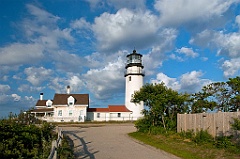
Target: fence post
point(55, 145)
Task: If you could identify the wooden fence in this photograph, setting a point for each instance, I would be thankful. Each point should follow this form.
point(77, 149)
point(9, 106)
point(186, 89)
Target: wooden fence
point(56, 144)
point(217, 124)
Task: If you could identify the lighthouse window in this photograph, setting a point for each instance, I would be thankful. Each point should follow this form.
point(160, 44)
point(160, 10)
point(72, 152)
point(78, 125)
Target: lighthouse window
point(130, 78)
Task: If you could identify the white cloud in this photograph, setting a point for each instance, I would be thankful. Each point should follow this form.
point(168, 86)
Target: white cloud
point(4, 78)
point(108, 81)
point(189, 82)
point(75, 83)
point(175, 57)
point(4, 98)
point(187, 52)
point(4, 88)
point(37, 75)
point(95, 3)
point(127, 4)
point(157, 55)
point(17, 54)
point(125, 28)
point(181, 11)
point(41, 37)
point(67, 62)
point(58, 85)
point(42, 15)
point(192, 82)
point(16, 97)
point(117, 4)
point(29, 98)
point(28, 88)
point(203, 39)
point(238, 20)
point(231, 67)
point(81, 24)
point(204, 58)
point(227, 44)
point(169, 82)
point(42, 28)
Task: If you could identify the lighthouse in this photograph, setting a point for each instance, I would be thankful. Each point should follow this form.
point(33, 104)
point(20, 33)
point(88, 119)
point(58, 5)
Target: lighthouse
point(134, 81)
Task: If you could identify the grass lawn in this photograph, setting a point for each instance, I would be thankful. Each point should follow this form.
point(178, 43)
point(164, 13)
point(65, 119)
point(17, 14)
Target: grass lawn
point(186, 149)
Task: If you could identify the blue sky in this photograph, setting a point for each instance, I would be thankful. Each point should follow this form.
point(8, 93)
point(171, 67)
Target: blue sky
point(46, 45)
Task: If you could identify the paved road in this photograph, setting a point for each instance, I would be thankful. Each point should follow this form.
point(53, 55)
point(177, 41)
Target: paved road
point(111, 142)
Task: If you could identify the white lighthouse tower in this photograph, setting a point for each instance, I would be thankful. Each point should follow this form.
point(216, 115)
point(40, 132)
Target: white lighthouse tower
point(134, 81)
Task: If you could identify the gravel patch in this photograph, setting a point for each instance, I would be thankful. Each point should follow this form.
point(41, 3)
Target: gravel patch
point(111, 142)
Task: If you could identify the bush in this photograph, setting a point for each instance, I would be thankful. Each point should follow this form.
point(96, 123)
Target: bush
point(143, 125)
point(223, 142)
point(187, 134)
point(65, 151)
point(202, 136)
point(236, 124)
point(24, 140)
point(155, 130)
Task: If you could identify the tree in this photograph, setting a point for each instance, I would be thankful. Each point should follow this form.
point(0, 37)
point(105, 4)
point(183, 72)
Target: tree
point(234, 84)
point(201, 103)
point(162, 104)
point(224, 96)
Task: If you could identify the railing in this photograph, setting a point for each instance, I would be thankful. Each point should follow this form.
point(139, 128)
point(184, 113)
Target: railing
point(55, 145)
point(134, 72)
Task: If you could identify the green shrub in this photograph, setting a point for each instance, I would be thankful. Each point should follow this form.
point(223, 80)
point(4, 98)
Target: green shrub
point(143, 125)
point(65, 151)
point(24, 139)
point(202, 136)
point(223, 142)
point(155, 130)
point(189, 134)
point(236, 124)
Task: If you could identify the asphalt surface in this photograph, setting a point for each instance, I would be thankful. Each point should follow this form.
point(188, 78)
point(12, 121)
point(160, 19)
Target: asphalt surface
point(111, 142)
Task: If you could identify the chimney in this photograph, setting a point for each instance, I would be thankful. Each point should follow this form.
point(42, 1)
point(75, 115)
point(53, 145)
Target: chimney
point(41, 96)
point(68, 89)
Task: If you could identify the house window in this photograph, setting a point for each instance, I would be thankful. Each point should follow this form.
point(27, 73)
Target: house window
point(70, 112)
point(81, 112)
point(130, 78)
point(98, 115)
point(70, 101)
point(119, 115)
point(60, 113)
point(49, 103)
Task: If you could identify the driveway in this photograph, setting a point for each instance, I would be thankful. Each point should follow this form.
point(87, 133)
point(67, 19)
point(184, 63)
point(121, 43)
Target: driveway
point(111, 142)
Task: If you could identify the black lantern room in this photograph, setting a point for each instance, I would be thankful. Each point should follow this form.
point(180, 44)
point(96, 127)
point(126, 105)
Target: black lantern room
point(134, 60)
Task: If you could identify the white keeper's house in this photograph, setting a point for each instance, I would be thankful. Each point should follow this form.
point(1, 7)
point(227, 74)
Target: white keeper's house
point(75, 107)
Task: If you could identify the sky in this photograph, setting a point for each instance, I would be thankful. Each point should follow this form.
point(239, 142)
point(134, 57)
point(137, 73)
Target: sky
point(46, 45)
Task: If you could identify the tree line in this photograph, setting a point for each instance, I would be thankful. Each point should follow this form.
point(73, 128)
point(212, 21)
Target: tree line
point(163, 103)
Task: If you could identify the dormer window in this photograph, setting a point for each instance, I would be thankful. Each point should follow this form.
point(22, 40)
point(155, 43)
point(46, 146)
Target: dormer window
point(70, 101)
point(49, 103)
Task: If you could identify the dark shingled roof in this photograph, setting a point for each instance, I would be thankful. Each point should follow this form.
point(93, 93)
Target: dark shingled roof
point(41, 103)
point(42, 110)
point(80, 99)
